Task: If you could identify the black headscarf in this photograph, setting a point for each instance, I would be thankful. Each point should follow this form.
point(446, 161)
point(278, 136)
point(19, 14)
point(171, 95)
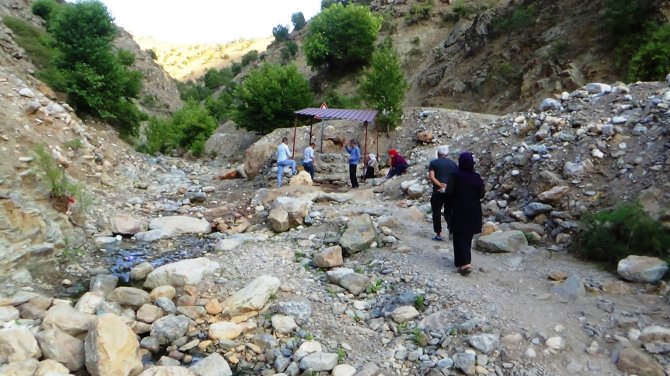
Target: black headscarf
point(466, 170)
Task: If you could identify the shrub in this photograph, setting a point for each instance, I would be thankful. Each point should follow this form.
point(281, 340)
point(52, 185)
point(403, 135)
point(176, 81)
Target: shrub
point(46, 9)
point(652, 61)
point(298, 20)
point(611, 235)
point(193, 91)
point(189, 127)
point(214, 79)
point(152, 54)
point(268, 96)
point(419, 11)
point(236, 68)
point(61, 189)
point(325, 4)
point(280, 32)
point(341, 37)
point(289, 51)
point(249, 57)
point(383, 86)
point(337, 100)
point(461, 9)
point(520, 18)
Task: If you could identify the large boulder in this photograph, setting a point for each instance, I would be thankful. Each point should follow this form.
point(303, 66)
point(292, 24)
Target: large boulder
point(506, 241)
point(62, 347)
point(212, 365)
point(279, 221)
point(112, 348)
point(224, 330)
point(642, 269)
point(256, 156)
point(17, 345)
point(180, 273)
point(180, 224)
point(130, 296)
point(252, 297)
point(329, 257)
point(297, 208)
point(360, 233)
point(23, 368)
point(67, 319)
point(302, 178)
point(125, 225)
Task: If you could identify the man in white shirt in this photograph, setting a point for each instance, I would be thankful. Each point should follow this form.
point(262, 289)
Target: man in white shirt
point(308, 160)
point(284, 156)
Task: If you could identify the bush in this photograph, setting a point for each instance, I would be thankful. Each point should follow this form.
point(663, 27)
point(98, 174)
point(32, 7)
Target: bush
point(152, 54)
point(383, 86)
point(193, 91)
point(249, 57)
point(46, 9)
point(611, 235)
point(337, 100)
point(340, 37)
point(461, 9)
point(520, 18)
point(214, 78)
point(280, 32)
point(298, 20)
point(628, 25)
point(325, 4)
point(220, 106)
point(236, 68)
point(268, 96)
point(652, 61)
point(419, 11)
point(189, 127)
point(97, 80)
point(61, 189)
point(289, 51)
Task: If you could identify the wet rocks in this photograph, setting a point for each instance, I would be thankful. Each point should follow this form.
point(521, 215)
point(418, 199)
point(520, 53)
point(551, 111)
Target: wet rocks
point(505, 241)
point(642, 269)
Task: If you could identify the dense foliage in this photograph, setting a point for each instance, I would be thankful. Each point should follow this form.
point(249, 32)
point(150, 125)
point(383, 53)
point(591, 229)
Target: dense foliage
point(612, 235)
point(384, 85)
point(268, 96)
point(249, 57)
point(48, 10)
point(298, 20)
point(341, 36)
point(280, 32)
point(289, 51)
point(97, 80)
point(189, 127)
point(419, 11)
point(652, 61)
point(216, 78)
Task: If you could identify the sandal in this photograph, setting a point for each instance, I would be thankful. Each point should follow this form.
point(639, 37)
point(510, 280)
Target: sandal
point(438, 238)
point(464, 270)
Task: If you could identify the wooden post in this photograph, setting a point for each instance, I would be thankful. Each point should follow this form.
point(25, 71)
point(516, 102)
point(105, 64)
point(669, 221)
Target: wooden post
point(323, 121)
point(377, 131)
point(295, 130)
point(310, 133)
point(365, 149)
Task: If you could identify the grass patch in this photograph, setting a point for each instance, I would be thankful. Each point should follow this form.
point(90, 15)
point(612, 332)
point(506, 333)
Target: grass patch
point(611, 235)
point(420, 303)
point(419, 11)
point(65, 194)
point(520, 18)
point(374, 287)
point(461, 9)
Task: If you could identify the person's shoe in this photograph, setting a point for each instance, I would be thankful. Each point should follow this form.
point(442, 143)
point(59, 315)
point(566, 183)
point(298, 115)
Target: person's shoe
point(464, 270)
point(438, 238)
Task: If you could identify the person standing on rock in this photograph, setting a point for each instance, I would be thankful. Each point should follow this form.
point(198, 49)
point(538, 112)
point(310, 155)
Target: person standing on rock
point(354, 157)
point(284, 156)
point(308, 160)
point(465, 189)
point(439, 171)
point(398, 164)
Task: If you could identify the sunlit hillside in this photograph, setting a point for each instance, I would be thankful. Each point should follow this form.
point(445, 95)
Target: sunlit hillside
point(186, 62)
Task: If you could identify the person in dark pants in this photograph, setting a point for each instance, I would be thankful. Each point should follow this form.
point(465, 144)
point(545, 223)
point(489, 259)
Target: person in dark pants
point(398, 164)
point(465, 189)
point(354, 157)
point(438, 173)
point(308, 160)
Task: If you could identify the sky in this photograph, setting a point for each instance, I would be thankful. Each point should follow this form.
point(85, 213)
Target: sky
point(207, 21)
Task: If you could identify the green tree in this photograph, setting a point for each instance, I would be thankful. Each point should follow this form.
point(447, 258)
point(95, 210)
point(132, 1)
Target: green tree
point(383, 86)
point(289, 51)
point(249, 57)
point(214, 79)
point(97, 80)
point(341, 37)
point(325, 4)
point(652, 61)
point(298, 20)
point(46, 9)
point(268, 96)
point(280, 32)
point(189, 127)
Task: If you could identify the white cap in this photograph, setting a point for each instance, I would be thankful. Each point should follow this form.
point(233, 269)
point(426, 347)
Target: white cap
point(443, 150)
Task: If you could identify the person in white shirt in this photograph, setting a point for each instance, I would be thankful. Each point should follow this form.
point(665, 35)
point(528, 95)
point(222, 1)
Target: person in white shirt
point(308, 160)
point(284, 156)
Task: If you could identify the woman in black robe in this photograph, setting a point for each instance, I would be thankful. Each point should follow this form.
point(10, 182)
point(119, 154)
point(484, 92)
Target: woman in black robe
point(465, 188)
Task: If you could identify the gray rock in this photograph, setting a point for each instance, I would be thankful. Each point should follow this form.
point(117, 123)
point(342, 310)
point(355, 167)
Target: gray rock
point(404, 313)
point(335, 275)
point(360, 233)
point(103, 282)
point(465, 361)
point(598, 88)
point(151, 344)
point(571, 288)
point(279, 221)
point(152, 235)
point(31, 107)
point(549, 104)
point(196, 196)
point(180, 273)
point(212, 365)
point(298, 307)
point(506, 241)
point(181, 225)
point(573, 169)
point(553, 194)
point(24, 368)
point(25, 92)
point(226, 245)
point(252, 297)
point(167, 371)
point(168, 328)
point(319, 361)
point(642, 269)
point(485, 343)
point(535, 208)
point(149, 313)
point(635, 362)
point(8, 314)
point(141, 271)
point(165, 361)
point(90, 302)
point(369, 369)
point(329, 257)
point(166, 305)
point(67, 319)
point(355, 283)
point(125, 225)
point(130, 296)
point(283, 324)
point(62, 348)
point(297, 208)
point(18, 344)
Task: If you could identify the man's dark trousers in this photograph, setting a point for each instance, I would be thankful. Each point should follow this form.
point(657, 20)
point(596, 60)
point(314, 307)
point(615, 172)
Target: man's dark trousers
point(437, 201)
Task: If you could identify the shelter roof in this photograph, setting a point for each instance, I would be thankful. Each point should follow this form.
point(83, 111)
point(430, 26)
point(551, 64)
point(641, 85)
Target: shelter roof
point(339, 113)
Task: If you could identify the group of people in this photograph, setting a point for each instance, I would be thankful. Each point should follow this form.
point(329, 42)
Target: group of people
point(457, 190)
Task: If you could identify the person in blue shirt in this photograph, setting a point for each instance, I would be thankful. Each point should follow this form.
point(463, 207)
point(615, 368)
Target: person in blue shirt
point(284, 156)
point(354, 157)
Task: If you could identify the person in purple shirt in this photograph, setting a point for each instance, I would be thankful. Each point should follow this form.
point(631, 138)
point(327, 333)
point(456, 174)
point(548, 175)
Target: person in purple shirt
point(354, 157)
point(398, 164)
